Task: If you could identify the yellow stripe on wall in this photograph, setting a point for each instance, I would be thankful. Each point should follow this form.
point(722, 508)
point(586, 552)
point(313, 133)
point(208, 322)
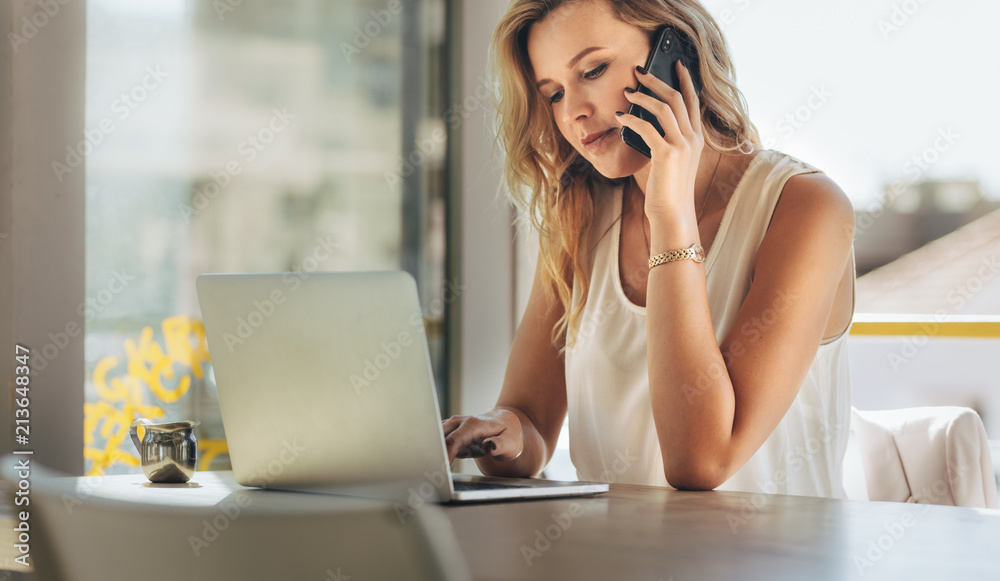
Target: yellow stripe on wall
point(967, 326)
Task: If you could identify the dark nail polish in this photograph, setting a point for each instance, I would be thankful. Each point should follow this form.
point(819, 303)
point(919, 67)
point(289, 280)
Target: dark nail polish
point(629, 90)
point(492, 445)
point(640, 69)
point(619, 113)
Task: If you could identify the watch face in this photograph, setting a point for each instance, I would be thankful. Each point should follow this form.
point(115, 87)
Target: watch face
point(699, 253)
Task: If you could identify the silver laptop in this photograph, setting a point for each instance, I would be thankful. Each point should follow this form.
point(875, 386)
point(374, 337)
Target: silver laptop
point(325, 385)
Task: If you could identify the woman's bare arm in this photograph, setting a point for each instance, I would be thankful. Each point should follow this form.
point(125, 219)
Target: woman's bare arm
point(714, 404)
point(532, 399)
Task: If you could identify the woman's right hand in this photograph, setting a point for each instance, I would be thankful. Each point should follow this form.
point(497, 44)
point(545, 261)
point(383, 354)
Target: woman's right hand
point(495, 434)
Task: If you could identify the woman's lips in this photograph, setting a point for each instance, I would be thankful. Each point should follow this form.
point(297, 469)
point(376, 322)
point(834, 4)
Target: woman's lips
point(601, 141)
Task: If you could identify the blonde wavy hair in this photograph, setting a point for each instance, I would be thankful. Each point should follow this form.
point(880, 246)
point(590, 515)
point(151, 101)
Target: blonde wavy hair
point(546, 178)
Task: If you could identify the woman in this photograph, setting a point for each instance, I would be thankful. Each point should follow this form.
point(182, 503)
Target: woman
point(729, 373)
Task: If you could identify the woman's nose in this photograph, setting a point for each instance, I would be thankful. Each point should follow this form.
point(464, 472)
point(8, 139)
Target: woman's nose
point(577, 106)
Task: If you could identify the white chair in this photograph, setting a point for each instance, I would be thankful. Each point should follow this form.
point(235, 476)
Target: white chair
point(931, 455)
point(83, 535)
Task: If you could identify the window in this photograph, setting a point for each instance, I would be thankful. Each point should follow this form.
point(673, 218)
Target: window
point(886, 97)
point(253, 136)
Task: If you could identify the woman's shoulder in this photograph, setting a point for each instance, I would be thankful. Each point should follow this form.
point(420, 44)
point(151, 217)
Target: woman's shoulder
point(810, 207)
point(805, 186)
point(779, 163)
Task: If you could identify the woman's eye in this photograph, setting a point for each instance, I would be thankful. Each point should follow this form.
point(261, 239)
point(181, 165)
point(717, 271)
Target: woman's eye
point(596, 72)
point(590, 75)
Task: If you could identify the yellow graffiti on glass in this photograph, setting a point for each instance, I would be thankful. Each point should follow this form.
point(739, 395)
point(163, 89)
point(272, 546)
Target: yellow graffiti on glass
point(208, 449)
point(121, 397)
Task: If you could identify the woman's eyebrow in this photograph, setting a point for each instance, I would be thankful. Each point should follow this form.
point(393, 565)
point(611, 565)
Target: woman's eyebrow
point(572, 62)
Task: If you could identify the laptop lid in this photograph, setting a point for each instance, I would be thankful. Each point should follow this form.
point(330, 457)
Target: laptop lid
point(324, 380)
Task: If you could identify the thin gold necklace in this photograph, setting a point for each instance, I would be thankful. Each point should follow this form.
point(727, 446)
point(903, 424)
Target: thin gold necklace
point(704, 204)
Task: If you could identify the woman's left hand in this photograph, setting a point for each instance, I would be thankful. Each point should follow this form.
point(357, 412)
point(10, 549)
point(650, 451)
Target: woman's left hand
point(675, 155)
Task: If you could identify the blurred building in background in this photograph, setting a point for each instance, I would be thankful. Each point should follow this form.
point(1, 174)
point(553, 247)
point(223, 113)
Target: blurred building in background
point(957, 274)
point(911, 216)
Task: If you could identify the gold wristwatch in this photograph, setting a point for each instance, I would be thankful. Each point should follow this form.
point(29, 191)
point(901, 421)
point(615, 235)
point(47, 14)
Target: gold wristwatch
point(695, 252)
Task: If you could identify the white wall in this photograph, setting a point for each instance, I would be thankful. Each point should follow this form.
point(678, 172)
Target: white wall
point(487, 309)
point(42, 254)
point(898, 372)
point(484, 230)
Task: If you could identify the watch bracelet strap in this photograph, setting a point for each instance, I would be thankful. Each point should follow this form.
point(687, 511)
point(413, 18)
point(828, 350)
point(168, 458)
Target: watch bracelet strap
point(694, 252)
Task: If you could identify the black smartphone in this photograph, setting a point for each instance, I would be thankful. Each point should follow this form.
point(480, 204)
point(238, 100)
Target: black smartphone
point(670, 46)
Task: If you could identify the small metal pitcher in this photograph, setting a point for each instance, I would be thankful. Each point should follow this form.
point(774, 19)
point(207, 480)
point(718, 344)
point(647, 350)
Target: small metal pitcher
point(168, 452)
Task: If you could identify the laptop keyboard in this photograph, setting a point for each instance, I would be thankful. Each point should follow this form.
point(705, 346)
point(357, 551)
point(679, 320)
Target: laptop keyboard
point(463, 485)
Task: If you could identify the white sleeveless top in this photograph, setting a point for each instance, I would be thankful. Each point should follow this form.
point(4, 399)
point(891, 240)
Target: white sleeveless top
point(611, 432)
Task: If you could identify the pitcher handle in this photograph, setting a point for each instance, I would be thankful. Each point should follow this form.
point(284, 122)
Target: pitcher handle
point(133, 432)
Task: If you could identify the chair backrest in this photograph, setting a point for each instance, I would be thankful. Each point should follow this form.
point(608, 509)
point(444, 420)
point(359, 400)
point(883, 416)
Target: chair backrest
point(932, 455)
point(250, 534)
